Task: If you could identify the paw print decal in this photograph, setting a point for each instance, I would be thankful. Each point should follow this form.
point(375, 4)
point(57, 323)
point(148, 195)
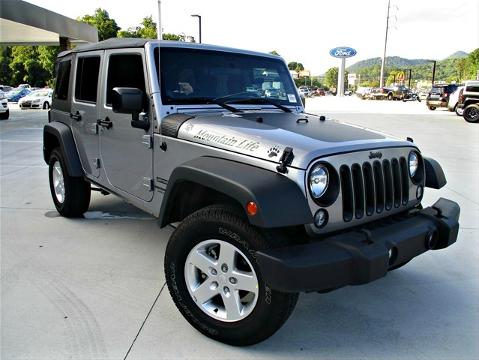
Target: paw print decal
point(273, 151)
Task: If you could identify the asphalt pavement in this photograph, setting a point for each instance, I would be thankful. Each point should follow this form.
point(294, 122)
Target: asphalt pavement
point(94, 288)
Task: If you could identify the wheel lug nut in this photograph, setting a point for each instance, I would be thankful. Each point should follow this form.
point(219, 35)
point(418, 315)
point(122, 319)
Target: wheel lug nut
point(224, 268)
point(233, 280)
point(226, 290)
point(213, 285)
point(213, 271)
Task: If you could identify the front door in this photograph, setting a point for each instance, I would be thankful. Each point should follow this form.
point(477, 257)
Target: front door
point(84, 110)
point(126, 154)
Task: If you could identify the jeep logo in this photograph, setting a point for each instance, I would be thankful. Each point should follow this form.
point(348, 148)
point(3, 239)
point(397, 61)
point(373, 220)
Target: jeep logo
point(375, 154)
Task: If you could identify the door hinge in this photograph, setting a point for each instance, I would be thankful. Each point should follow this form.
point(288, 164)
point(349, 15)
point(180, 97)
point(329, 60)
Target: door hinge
point(97, 163)
point(148, 141)
point(148, 183)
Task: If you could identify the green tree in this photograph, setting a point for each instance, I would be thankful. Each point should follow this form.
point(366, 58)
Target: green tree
point(472, 65)
point(5, 60)
point(331, 77)
point(146, 30)
point(274, 52)
point(107, 27)
point(173, 37)
point(26, 66)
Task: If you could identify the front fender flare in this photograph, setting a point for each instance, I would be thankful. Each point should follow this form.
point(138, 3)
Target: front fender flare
point(280, 201)
point(435, 177)
point(58, 133)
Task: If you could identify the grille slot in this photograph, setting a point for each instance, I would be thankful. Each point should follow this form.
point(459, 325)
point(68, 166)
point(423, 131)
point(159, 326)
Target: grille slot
point(368, 188)
point(388, 184)
point(373, 187)
point(405, 180)
point(358, 190)
point(379, 186)
point(397, 182)
point(347, 192)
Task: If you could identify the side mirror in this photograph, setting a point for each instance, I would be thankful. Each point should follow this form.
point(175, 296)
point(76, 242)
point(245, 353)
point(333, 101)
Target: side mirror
point(127, 100)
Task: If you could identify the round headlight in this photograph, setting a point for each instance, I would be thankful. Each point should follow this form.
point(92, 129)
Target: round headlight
point(318, 180)
point(413, 163)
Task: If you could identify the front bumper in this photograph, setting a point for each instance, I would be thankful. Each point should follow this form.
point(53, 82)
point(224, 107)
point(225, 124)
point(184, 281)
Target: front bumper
point(362, 255)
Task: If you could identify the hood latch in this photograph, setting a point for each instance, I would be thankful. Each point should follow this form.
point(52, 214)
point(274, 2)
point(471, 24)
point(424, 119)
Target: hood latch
point(285, 160)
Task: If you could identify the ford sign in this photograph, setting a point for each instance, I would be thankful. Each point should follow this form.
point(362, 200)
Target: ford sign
point(342, 52)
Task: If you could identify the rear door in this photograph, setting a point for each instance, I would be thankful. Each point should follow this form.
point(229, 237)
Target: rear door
point(84, 110)
point(126, 152)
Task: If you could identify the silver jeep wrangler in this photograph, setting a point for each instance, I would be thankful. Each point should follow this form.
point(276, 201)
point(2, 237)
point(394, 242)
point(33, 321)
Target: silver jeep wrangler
point(270, 201)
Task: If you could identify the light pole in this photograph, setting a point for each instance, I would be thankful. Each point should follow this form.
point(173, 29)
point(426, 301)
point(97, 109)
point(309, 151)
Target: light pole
point(199, 25)
point(383, 62)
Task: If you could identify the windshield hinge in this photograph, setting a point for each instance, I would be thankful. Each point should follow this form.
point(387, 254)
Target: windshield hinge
point(148, 183)
point(148, 141)
point(285, 160)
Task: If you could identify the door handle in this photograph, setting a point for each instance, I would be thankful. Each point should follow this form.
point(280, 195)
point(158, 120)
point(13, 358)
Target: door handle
point(76, 116)
point(106, 123)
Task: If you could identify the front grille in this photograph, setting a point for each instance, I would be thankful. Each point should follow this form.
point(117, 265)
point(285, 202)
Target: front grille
point(375, 187)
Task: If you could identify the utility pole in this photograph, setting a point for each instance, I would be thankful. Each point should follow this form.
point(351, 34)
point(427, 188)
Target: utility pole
point(199, 24)
point(409, 77)
point(383, 62)
point(158, 26)
point(433, 71)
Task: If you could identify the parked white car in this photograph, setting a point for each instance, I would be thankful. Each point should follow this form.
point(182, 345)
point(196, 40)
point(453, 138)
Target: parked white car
point(39, 99)
point(4, 112)
point(452, 103)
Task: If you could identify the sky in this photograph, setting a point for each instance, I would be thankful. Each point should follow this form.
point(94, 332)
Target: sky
point(305, 30)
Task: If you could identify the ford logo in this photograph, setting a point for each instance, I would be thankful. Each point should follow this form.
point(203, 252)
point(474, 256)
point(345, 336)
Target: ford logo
point(342, 52)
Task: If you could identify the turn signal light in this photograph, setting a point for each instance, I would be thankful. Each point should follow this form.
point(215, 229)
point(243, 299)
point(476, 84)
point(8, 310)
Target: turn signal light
point(251, 208)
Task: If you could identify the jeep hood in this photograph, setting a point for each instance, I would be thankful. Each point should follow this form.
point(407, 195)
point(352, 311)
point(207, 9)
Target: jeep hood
point(265, 135)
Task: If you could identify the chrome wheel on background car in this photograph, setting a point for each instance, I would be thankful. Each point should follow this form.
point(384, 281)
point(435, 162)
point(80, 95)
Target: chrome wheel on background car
point(221, 280)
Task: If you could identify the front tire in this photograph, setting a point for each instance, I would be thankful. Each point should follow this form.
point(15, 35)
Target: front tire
point(471, 113)
point(212, 253)
point(459, 111)
point(71, 195)
point(5, 115)
point(432, 108)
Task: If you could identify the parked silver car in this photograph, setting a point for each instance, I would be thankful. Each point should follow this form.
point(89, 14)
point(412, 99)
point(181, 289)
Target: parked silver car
point(270, 201)
point(453, 101)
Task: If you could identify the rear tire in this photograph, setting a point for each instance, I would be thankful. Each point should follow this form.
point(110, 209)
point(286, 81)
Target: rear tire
point(229, 228)
point(471, 113)
point(5, 115)
point(71, 195)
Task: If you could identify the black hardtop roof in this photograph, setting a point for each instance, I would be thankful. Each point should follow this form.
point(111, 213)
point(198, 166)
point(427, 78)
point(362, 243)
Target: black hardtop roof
point(114, 43)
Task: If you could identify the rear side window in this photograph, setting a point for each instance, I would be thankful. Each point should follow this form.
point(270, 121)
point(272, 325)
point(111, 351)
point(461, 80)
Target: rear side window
point(437, 90)
point(86, 83)
point(472, 88)
point(124, 70)
point(63, 77)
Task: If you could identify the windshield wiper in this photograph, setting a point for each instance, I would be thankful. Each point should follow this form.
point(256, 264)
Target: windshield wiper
point(206, 100)
point(258, 100)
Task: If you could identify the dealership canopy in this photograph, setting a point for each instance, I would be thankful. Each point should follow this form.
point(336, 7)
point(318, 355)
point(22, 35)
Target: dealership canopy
point(22, 23)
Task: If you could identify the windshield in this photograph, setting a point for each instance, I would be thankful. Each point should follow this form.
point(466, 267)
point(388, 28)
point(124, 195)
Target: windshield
point(39, 94)
point(192, 76)
point(437, 90)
